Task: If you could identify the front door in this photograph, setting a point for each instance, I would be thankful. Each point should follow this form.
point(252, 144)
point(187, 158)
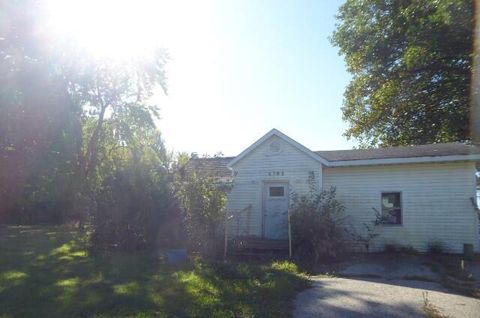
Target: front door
point(275, 210)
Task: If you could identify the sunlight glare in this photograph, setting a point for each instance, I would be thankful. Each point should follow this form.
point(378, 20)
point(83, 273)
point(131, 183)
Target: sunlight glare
point(108, 28)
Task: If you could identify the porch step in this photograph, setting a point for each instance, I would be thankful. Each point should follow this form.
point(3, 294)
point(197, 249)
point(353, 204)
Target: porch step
point(258, 244)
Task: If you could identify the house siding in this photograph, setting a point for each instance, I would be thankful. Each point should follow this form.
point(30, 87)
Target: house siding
point(436, 204)
point(253, 171)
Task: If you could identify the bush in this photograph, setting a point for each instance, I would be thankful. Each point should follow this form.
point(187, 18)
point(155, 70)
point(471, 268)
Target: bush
point(409, 250)
point(136, 208)
point(390, 248)
point(436, 247)
point(317, 227)
point(203, 201)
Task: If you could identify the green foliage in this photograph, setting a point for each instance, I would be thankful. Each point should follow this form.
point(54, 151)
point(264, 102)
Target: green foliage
point(136, 209)
point(133, 190)
point(203, 200)
point(70, 124)
point(318, 229)
point(47, 272)
point(49, 190)
point(38, 136)
point(411, 66)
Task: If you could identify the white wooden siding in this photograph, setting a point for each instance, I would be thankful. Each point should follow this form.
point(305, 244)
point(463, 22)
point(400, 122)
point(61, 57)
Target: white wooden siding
point(436, 204)
point(252, 171)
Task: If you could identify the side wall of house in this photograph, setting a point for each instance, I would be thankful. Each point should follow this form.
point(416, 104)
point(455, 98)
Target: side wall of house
point(436, 204)
point(262, 165)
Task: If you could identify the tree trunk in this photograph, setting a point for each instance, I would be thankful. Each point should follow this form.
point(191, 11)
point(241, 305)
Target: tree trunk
point(91, 154)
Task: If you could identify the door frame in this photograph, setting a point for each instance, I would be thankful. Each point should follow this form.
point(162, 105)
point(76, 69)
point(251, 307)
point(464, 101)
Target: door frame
point(265, 193)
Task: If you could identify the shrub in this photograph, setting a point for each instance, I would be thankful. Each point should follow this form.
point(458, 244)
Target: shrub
point(317, 227)
point(409, 250)
point(390, 248)
point(203, 201)
point(136, 205)
point(436, 247)
point(286, 266)
point(370, 231)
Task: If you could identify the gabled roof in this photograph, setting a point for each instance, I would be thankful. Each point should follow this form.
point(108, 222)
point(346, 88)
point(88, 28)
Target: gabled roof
point(279, 134)
point(445, 152)
point(433, 150)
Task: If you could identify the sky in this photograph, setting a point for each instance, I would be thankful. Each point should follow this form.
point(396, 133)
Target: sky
point(237, 68)
point(240, 68)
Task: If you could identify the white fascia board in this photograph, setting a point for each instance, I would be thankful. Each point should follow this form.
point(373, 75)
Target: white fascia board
point(390, 161)
point(283, 137)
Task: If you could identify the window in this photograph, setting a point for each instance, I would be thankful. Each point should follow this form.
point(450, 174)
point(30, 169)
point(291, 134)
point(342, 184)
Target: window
point(277, 191)
point(391, 208)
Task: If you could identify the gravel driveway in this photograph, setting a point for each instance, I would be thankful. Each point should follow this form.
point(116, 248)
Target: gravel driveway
point(348, 297)
point(390, 289)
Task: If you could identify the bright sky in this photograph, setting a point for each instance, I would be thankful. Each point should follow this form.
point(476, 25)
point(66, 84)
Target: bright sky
point(238, 68)
point(241, 68)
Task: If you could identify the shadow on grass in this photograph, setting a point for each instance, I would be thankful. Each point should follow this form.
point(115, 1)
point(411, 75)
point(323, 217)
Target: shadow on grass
point(46, 272)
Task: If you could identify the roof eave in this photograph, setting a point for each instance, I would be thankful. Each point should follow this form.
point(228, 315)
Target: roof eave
point(388, 161)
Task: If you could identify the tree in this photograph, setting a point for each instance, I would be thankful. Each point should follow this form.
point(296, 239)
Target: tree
point(37, 139)
point(411, 68)
point(59, 106)
point(136, 203)
point(203, 200)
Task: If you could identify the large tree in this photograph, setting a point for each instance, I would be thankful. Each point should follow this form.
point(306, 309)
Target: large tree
point(410, 62)
point(58, 106)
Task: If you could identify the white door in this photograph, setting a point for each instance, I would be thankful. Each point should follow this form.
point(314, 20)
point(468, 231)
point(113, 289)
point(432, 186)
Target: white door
point(275, 210)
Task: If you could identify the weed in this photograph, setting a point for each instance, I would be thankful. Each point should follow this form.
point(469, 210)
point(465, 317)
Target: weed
point(430, 310)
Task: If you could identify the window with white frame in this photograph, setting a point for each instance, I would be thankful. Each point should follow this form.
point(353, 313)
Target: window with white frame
point(391, 208)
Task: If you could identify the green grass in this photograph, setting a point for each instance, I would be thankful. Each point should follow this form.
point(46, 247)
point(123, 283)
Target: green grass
point(46, 272)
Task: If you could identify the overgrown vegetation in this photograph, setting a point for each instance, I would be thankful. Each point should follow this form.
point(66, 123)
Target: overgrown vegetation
point(318, 227)
point(371, 231)
point(430, 310)
point(47, 272)
point(203, 200)
point(436, 247)
point(79, 140)
point(136, 209)
point(455, 274)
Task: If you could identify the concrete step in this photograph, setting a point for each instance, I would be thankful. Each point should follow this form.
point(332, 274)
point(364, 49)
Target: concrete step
point(258, 244)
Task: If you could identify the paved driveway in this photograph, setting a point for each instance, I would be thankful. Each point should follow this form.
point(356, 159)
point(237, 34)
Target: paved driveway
point(382, 289)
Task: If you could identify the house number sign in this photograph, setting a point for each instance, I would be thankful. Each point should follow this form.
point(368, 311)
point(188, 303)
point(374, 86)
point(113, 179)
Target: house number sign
point(275, 173)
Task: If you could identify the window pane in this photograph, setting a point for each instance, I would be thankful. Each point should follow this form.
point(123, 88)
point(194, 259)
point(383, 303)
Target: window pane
point(277, 191)
point(391, 200)
point(391, 208)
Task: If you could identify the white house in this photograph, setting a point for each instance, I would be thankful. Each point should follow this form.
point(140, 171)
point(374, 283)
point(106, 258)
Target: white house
point(429, 190)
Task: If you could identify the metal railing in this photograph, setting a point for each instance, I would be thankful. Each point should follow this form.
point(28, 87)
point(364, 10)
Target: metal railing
point(238, 228)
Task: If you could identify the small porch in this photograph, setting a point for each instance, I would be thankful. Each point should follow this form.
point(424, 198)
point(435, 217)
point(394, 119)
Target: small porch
point(238, 241)
point(256, 246)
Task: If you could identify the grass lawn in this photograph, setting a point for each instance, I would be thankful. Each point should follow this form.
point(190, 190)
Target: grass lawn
point(46, 272)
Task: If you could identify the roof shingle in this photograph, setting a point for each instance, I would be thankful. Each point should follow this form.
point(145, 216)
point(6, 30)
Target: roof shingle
point(217, 166)
point(433, 150)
